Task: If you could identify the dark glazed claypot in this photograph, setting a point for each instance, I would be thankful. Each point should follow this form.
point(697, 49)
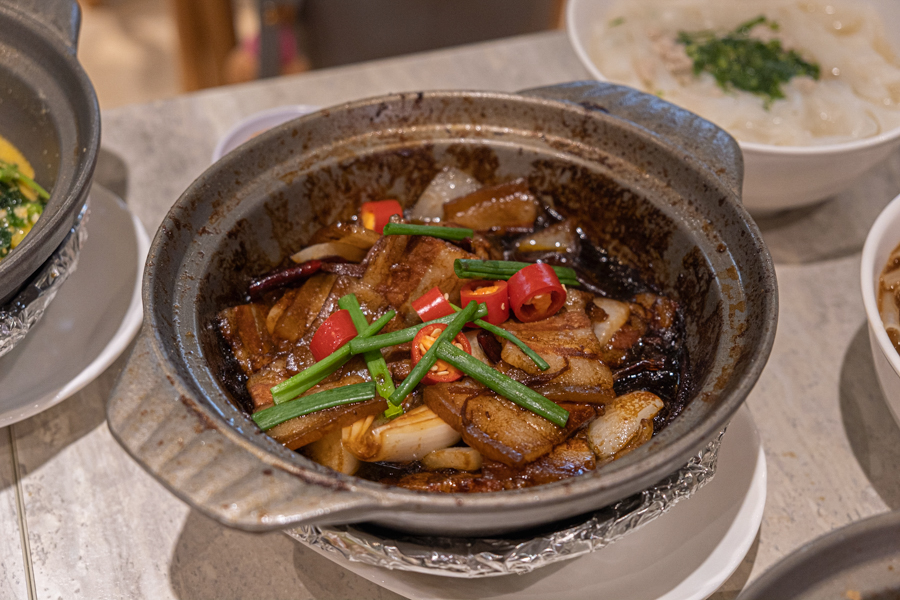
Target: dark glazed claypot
point(48, 110)
point(659, 186)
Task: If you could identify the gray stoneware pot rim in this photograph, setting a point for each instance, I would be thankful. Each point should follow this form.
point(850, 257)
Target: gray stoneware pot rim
point(49, 28)
point(378, 499)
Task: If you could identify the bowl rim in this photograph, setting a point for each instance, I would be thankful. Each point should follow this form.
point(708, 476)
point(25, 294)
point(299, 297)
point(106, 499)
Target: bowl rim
point(869, 270)
point(883, 138)
point(276, 114)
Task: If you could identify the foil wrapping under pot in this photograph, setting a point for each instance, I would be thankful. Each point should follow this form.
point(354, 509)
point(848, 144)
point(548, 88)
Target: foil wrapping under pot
point(28, 306)
point(523, 553)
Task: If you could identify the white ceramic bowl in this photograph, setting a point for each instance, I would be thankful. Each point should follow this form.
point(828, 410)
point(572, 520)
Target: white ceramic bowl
point(775, 177)
point(881, 241)
point(257, 123)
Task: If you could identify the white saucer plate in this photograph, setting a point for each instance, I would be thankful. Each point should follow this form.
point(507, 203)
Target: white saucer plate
point(256, 124)
point(686, 554)
point(91, 321)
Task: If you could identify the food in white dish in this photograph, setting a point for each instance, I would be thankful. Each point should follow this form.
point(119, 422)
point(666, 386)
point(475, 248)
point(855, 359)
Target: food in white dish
point(888, 297)
point(851, 91)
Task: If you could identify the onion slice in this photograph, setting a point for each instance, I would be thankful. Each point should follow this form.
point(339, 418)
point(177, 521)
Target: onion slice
point(328, 250)
point(625, 419)
point(617, 314)
point(408, 437)
point(459, 458)
point(447, 185)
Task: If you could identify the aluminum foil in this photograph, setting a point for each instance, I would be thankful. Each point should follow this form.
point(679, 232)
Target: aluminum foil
point(487, 557)
point(20, 315)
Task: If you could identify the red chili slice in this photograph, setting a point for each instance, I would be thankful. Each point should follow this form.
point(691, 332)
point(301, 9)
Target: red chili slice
point(375, 215)
point(337, 330)
point(441, 372)
point(432, 305)
point(535, 293)
point(495, 294)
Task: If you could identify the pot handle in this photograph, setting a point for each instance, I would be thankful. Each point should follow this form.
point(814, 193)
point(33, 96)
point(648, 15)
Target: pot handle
point(63, 17)
point(678, 127)
point(202, 462)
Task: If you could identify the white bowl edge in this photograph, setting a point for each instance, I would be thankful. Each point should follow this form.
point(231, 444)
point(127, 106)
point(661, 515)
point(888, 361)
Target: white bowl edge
point(883, 237)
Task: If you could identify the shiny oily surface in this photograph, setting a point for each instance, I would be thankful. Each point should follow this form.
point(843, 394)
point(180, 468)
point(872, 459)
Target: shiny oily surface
point(645, 353)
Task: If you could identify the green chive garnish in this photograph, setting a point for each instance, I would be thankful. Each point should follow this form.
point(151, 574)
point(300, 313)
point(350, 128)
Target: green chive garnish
point(358, 345)
point(430, 357)
point(312, 376)
point(507, 335)
point(445, 233)
point(374, 360)
point(348, 394)
point(504, 269)
point(505, 386)
point(10, 173)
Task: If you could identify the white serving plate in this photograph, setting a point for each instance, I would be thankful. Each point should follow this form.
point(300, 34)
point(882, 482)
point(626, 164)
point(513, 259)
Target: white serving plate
point(257, 123)
point(685, 554)
point(90, 322)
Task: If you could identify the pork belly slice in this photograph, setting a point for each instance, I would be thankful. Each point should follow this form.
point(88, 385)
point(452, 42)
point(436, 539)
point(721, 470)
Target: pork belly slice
point(256, 334)
point(568, 344)
point(499, 209)
point(290, 318)
point(259, 384)
point(300, 431)
point(568, 459)
point(498, 428)
point(400, 268)
point(244, 329)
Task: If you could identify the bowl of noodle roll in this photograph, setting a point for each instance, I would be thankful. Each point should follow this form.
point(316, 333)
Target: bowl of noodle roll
point(810, 89)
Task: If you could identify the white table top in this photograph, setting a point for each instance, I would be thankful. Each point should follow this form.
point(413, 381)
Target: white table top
point(80, 519)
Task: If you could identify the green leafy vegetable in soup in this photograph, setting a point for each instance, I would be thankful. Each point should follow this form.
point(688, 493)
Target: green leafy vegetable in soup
point(21, 199)
point(737, 60)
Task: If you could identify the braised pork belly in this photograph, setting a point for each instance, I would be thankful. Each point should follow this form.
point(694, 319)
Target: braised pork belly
point(359, 357)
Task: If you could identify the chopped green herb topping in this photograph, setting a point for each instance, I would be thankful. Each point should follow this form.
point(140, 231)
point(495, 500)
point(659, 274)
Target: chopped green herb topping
point(18, 214)
point(738, 61)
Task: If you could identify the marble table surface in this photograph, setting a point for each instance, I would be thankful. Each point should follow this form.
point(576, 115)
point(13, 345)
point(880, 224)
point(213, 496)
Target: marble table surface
point(80, 519)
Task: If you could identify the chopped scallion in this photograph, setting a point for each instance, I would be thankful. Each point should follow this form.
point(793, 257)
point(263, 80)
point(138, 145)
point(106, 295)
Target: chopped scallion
point(360, 344)
point(307, 378)
point(430, 357)
point(445, 233)
point(504, 269)
point(507, 335)
point(507, 387)
point(348, 394)
point(374, 360)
